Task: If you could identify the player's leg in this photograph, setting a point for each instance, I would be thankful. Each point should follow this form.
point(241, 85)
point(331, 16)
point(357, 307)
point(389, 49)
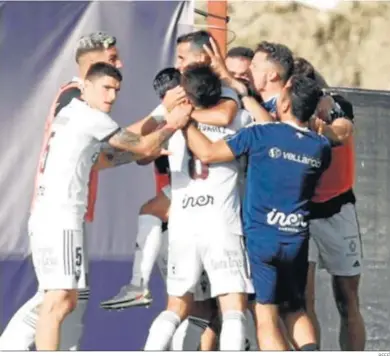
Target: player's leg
point(19, 335)
point(291, 292)
point(195, 333)
point(310, 296)
point(184, 269)
point(226, 265)
point(148, 244)
point(60, 263)
point(340, 247)
point(262, 255)
point(251, 333)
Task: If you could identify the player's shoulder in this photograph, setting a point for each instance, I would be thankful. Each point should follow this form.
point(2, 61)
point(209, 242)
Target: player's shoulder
point(66, 94)
point(244, 118)
point(230, 93)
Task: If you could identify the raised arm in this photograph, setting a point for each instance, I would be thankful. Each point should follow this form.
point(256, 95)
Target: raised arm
point(335, 119)
point(150, 144)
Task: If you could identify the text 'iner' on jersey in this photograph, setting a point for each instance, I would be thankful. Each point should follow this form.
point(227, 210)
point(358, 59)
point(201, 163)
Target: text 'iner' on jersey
point(285, 163)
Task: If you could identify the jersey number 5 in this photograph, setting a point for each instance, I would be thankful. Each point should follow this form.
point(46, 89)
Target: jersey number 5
point(197, 169)
point(46, 153)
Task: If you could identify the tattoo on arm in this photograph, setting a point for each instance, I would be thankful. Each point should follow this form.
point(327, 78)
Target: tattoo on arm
point(125, 137)
point(118, 157)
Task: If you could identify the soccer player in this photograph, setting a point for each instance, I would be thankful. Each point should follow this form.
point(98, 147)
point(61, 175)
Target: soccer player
point(77, 134)
point(286, 160)
point(335, 242)
point(189, 50)
point(204, 227)
point(20, 331)
point(238, 61)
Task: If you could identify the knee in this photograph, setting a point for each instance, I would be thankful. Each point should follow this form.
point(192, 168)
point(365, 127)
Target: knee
point(346, 292)
point(59, 303)
point(156, 207)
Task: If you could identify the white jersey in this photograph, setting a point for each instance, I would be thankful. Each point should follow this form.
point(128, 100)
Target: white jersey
point(215, 193)
point(73, 148)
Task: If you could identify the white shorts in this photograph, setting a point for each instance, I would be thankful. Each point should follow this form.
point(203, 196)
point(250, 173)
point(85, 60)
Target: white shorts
point(167, 191)
point(202, 289)
point(335, 243)
point(59, 256)
point(218, 252)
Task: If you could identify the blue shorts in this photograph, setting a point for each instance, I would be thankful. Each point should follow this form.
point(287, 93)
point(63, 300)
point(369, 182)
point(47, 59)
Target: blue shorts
point(279, 271)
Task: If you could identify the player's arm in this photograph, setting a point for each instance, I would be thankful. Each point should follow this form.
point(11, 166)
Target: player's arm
point(258, 112)
point(150, 123)
point(224, 150)
point(150, 145)
point(221, 114)
point(205, 150)
point(337, 112)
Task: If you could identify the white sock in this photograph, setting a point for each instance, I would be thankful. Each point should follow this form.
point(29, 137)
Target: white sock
point(161, 331)
point(188, 335)
point(232, 336)
point(251, 334)
point(19, 335)
point(73, 326)
point(147, 248)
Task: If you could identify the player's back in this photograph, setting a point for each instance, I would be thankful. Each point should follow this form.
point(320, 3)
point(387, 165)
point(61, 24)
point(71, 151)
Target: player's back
point(70, 154)
point(285, 164)
point(199, 189)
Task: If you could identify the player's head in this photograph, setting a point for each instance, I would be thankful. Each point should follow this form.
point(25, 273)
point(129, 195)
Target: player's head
point(238, 61)
point(272, 66)
point(190, 50)
point(101, 86)
point(304, 67)
point(202, 85)
point(165, 80)
point(298, 99)
point(97, 47)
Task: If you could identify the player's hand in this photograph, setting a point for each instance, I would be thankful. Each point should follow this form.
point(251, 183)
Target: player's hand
point(316, 124)
point(324, 108)
point(179, 116)
point(174, 97)
point(217, 61)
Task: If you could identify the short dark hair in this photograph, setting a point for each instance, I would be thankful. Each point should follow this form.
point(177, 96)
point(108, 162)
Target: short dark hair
point(101, 69)
point(305, 95)
point(280, 55)
point(165, 80)
point(202, 85)
point(244, 52)
point(197, 39)
point(304, 67)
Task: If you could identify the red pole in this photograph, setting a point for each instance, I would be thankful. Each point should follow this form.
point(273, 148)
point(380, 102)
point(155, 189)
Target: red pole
point(218, 26)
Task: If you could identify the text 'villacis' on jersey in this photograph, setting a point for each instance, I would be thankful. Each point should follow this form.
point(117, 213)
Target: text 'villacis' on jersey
point(73, 148)
point(205, 191)
point(285, 164)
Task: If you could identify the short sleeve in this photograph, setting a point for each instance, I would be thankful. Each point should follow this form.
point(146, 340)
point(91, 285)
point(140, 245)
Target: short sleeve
point(243, 141)
point(229, 93)
point(158, 113)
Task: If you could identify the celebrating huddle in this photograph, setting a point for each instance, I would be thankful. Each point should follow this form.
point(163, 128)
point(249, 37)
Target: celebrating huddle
point(245, 141)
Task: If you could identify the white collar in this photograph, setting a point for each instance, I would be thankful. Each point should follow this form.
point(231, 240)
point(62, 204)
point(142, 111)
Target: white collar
point(295, 126)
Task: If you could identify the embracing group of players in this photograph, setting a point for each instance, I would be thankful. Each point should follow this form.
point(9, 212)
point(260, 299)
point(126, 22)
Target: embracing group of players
point(245, 141)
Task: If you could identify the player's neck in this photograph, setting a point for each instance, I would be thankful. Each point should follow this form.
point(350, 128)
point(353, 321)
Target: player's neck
point(270, 93)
